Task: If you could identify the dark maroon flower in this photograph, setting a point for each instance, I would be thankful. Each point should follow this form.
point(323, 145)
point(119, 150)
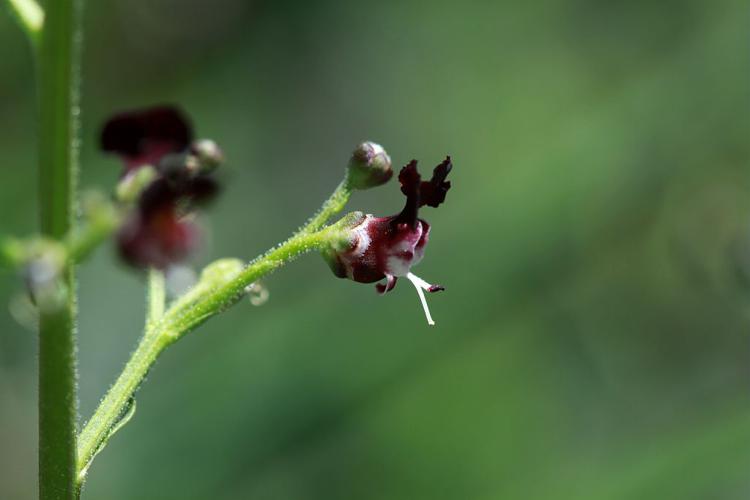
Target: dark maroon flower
point(144, 137)
point(157, 233)
point(387, 247)
point(157, 239)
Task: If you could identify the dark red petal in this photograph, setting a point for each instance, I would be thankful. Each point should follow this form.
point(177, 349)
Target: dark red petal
point(409, 178)
point(186, 191)
point(389, 285)
point(159, 195)
point(200, 189)
point(144, 136)
point(433, 192)
point(158, 241)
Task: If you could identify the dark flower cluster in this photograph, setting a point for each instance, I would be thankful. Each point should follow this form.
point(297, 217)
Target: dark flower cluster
point(159, 230)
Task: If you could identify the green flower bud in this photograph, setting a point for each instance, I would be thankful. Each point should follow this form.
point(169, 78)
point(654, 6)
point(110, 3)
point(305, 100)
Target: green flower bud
point(130, 187)
point(208, 154)
point(369, 166)
point(220, 272)
point(43, 272)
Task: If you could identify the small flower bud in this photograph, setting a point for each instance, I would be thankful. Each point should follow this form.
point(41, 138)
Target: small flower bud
point(216, 274)
point(43, 272)
point(221, 271)
point(208, 154)
point(369, 166)
point(131, 186)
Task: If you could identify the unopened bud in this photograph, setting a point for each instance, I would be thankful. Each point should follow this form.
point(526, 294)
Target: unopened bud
point(369, 166)
point(43, 272)
point(208, 154)
point(220, 272)
point(130, 187)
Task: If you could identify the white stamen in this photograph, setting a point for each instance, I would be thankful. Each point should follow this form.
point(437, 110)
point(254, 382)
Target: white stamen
point(418, 281)
point(420, 284)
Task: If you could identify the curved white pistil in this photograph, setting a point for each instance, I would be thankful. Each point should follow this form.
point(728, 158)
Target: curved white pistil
point(421, 285)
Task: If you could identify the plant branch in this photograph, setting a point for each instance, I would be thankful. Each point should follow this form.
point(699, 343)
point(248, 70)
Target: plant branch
point(116, 403)
point(97, 226)
point(29, 16)
point(221, 285)
point(74, 247)
point(156, 297)
point(333, 205)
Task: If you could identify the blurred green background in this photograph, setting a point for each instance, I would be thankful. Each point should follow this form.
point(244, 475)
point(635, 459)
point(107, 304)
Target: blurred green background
point(593, 341)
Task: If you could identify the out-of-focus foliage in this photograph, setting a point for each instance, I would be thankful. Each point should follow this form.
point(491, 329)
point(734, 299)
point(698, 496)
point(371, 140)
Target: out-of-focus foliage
point(593, 339)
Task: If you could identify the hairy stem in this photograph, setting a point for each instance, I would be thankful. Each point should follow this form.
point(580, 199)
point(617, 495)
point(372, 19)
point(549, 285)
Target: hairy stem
point(183, 317)
point(58, 101)
point(333, 205)
point(80, 242)
point(210, 296)
point(115, 403)
point(156, 296)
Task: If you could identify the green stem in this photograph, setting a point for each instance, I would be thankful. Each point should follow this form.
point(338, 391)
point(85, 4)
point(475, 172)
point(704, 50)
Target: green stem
point(156, 297)
point(80, 242)
point(114, 405)
point(77, 244)
point(58, 104)
point(209, 297)
point(333, 205)
point(183, 316)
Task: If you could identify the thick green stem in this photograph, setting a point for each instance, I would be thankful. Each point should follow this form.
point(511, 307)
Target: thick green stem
point(58, 96)
point(213, 294)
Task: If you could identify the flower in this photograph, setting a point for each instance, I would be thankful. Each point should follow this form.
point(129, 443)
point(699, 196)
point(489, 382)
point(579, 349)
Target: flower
point(159, 142)
point(156, 234)
point(387, 247)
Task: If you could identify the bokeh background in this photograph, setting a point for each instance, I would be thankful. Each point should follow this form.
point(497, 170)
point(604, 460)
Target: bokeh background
point(594, 338)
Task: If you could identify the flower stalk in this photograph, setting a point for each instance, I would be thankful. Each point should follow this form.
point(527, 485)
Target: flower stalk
point(333, 205)
point(221, 285)
point(156, 297)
